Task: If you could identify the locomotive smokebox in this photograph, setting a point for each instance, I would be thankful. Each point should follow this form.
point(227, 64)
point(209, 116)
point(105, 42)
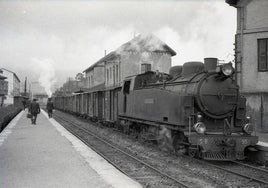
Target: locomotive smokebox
point(210, 63)
point(175, 71)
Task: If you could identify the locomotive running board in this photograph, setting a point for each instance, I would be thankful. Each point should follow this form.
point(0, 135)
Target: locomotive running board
point(149, 122)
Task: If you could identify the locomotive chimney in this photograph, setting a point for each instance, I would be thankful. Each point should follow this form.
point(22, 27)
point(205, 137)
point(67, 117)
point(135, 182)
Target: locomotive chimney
point(210, 63)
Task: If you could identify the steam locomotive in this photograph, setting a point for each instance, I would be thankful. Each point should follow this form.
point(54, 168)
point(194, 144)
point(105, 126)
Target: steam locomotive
point(195, 109)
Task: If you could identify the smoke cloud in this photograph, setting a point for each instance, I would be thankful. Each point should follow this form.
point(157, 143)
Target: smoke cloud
point(143, 44)
point(74, 34)
point(46, 72)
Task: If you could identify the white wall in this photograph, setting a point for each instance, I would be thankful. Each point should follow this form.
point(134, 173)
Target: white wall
point(253, 81)
point(255, 27)
point(10, 80)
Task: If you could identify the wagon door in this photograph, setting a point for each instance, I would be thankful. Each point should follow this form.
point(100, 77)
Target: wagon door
point(95, 102)
point(116, 92)
point(100, 105)
point(112, 105)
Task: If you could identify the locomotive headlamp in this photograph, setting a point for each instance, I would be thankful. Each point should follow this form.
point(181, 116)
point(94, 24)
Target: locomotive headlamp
point(248, 128)
point(199, 117)
point(200, 127)
point(227, 69)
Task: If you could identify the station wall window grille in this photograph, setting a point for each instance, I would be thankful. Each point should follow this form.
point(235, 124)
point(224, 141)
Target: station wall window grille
point(116, 70)
point(263, 55)
point(114, 74)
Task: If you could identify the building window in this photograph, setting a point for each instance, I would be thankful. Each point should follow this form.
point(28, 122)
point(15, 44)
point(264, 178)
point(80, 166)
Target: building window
point(119, 73)
point(116, 72)
point(107, 76)
point(113, 74)
point(145, 67)
point(110, 72)
point(262, 55)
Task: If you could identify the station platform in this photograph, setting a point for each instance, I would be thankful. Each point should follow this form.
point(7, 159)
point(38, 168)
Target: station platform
point(262, 147)
point(47, 155)
point(263, 137)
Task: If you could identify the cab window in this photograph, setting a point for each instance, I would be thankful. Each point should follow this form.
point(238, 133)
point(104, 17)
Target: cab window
point(126, 87)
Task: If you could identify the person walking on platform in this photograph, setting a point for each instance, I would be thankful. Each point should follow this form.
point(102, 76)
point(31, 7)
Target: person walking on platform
point(34, 109)
point(50, 107)
point(24, 104)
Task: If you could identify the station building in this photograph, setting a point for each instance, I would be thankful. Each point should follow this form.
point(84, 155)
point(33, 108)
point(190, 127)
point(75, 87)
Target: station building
point(3, 88)
point(251, 57)
point(13, 85)
point(141, 54)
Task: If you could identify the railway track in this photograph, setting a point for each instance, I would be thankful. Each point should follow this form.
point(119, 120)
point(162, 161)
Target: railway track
point(248, 173)
point(251, 166)
point(251, 173)
point(144, 173)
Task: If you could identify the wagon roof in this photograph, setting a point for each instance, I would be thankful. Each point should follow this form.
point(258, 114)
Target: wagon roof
point(100, 87)
point(81, 90)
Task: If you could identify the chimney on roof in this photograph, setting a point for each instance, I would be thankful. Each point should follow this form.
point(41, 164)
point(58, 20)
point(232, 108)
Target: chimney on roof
point(104, 53)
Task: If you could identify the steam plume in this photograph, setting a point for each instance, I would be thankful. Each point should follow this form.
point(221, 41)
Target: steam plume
point(46, 72)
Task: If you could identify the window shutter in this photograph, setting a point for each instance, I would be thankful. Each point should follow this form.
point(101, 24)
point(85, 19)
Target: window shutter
point(262, 54)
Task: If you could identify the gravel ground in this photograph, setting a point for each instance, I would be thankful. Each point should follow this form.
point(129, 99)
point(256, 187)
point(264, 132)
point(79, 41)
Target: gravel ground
point(181, 167)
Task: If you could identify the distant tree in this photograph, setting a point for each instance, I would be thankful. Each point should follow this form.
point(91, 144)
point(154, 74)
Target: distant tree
point(79, 76)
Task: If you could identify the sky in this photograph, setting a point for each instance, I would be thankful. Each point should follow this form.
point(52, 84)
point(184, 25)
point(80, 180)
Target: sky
point(49, 41)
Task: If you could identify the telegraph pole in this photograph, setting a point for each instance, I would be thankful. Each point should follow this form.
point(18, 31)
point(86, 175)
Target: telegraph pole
point(25, 87)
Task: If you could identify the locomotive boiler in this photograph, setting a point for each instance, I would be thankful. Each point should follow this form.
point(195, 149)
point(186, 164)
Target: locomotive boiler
point(198, 108)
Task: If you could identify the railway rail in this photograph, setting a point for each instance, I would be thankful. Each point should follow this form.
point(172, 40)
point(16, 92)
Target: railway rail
point(260, 168)
point(132, 166)
point(251, 173)
point(247, 173)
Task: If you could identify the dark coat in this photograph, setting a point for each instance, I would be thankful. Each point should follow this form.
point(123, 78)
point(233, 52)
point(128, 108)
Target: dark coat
point(34, 108)
point(50, 106)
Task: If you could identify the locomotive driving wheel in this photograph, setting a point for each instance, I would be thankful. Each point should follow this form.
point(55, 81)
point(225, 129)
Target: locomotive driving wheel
point(164, 139)
point(180, 143)
point(192, 152)
point(195, 152)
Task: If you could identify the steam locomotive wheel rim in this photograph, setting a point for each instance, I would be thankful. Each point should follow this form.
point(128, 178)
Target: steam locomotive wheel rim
point(192, 153)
